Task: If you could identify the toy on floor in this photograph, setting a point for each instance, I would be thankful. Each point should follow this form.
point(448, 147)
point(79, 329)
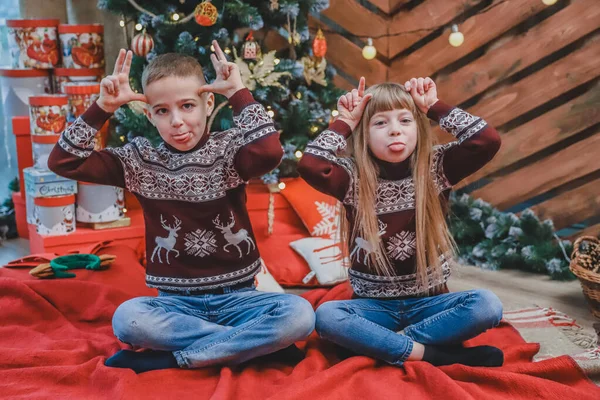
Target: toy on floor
point(59, 266)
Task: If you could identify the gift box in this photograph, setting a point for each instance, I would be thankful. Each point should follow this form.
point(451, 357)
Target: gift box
point(16, 85)
point(63, 76)
point(21, 129)
point(80, 97)
point(33, 43)
point(99, 203)
point(48, 114)
point(82, 45)
point(41, 146)
point(20, 214)
point(54, 215)
point(132, 236)
point(39, 183)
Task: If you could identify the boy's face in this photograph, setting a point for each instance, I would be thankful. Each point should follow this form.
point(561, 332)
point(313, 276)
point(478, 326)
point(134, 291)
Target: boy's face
point(178, 111)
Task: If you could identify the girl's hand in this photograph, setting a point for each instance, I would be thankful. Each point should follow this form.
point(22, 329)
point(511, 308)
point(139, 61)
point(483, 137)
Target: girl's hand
point(228, 79)
point(352, 105)
point(423, 92)
point(114, 89)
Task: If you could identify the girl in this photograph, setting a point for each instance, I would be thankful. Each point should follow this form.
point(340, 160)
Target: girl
point(394, 187)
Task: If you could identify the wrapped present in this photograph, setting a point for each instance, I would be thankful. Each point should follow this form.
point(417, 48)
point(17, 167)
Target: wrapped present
point(82, 45)
point(20, 128)
point(99, 203)
point(41, 146)
point(46, 183)
point(33, 43)
point(63, 76)
point(54, 215)
point(16, 85)
point(48, 114)
point(80, 97)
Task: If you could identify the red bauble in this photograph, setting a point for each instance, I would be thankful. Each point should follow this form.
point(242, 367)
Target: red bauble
point(320, 45)
point(206, 14)
point(142, 44)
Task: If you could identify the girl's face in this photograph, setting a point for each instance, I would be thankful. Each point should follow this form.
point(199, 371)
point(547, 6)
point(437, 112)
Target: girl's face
point(393, 135)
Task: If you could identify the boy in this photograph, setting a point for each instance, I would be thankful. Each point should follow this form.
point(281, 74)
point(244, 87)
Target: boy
point(201, 251)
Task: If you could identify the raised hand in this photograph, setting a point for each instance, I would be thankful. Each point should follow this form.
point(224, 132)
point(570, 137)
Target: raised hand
point(352, 105)
point(228, 79)
point(423, 92)
point(115, 89)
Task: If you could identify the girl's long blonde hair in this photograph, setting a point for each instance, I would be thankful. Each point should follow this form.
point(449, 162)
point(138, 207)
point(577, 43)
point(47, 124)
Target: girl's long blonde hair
point(433, 237)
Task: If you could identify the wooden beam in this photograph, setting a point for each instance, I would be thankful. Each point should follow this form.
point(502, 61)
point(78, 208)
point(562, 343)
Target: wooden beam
point(358, 20)
point(427, 15)
point(543, 131)
point(593, 230)
point(505, 60)
point(509, 102)
point(571, 163)
point(571, 207)
point(343, 83)
point(387, 6)
point(478, 30)
point(347, 56)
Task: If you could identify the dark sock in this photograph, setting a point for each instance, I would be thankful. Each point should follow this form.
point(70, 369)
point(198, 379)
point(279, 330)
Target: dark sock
point(142, 361)
point(479, 356)
point(289, 355)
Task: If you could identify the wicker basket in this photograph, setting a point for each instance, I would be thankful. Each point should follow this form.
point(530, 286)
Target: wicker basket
point(585, 264)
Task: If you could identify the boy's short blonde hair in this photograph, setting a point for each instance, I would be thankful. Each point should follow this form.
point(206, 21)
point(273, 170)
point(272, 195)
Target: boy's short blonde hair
point(172, 64)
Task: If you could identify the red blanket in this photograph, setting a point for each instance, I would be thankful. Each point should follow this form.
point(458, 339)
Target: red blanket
point(56, 334)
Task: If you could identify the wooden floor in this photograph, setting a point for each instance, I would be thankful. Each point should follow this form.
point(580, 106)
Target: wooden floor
point(516, 289)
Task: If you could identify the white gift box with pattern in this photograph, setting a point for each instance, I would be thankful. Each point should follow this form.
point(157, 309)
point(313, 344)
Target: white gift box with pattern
point(99, 203)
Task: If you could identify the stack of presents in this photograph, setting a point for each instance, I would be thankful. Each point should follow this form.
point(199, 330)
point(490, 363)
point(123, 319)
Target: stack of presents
point(54, 77)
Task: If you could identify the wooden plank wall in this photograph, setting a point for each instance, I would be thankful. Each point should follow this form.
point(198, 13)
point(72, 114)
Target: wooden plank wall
point(529, 69)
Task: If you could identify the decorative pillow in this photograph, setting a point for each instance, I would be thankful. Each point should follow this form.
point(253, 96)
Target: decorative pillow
point(319, 212)
point(265, 282)
point(324, 257)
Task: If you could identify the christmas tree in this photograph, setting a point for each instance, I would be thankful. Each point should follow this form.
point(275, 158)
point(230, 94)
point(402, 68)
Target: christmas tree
point(292, 79)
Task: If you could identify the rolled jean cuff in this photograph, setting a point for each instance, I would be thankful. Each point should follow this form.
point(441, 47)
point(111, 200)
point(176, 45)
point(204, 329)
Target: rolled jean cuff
point(405, 355)
point(180, 360)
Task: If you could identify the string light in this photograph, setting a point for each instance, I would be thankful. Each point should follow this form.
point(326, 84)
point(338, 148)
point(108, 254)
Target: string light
point(124, 210)
point(281, 186)
point(175, 17)
point(369, 51)
point(456, 38)
point(227, 50)
point(298, 154)
point(549, 2)
point(335, 113)
point(122, 23)
point(314, 129)
point(212, 48)
point(271, 113)
point(299, 95)
point(138, 27)
point(276, 61)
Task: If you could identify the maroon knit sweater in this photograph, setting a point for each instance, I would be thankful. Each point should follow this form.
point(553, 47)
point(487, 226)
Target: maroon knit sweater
point(324, 168)
point(198, 233)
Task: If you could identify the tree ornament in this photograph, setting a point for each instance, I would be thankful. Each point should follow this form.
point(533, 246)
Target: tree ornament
point(142, 44)
point(320, 45)
point(261, 73)
point(314, 70)
point(206, 14)
point(250, 48)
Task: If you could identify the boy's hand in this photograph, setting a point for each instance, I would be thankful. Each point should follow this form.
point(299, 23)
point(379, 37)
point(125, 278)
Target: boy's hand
point(352, 105)
point(228, 79)
point(114, 89)
point(423, 92)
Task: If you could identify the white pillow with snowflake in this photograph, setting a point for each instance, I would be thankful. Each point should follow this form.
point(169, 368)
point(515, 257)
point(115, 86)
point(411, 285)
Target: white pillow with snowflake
point(265, 282)
point(325, 259)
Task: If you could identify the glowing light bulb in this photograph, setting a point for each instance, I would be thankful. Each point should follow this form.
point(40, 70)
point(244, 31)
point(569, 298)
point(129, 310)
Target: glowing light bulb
point(281, 186)
point(456, 38)
point(298, 154)
point(549, 2)
point(335, 113)
point(175, 17)
point(369, 51)
point(138, 27)
point(122, 23)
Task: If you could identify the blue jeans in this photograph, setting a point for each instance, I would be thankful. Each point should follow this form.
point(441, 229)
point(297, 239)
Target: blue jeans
point(371, 326)
point(212, 329)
